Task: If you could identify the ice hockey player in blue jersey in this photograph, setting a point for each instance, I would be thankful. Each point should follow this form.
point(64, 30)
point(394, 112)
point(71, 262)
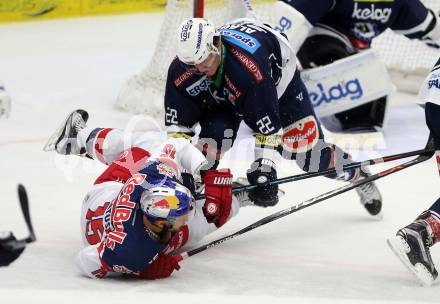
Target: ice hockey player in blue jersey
point(246, 71)
point(322, 31)
point(141, 209)
point(411, 244)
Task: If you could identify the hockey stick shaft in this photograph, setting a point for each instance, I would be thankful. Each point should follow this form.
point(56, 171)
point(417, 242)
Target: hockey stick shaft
point(423, 157)
point(24, 204)
point(354, 165)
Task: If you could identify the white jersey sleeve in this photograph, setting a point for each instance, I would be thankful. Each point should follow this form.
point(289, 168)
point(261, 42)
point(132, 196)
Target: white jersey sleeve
point(430, 90)
point(89, 264)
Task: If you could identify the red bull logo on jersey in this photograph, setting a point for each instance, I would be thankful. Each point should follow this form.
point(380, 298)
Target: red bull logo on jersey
point(123, 208)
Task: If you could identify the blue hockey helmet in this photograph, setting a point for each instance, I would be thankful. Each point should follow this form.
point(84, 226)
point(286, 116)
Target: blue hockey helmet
point(166, 199)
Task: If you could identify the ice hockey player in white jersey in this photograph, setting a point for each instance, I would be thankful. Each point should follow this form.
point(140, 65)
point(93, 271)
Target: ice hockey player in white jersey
point(323, 31)
point(141, 209)
point(411, 244)
point(5, 102)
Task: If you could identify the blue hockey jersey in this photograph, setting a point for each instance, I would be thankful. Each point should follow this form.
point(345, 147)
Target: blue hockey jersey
point(246, 81)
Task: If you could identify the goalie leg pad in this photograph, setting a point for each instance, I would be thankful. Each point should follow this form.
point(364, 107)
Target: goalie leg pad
point(292, 23)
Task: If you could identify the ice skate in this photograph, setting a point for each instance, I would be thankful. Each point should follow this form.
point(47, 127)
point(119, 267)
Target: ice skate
point(64, 140)
point(411, 246)
point(370, 197)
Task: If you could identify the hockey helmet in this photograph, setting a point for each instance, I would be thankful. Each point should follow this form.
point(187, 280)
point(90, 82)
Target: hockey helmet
point(166, 199)
point(195, 40)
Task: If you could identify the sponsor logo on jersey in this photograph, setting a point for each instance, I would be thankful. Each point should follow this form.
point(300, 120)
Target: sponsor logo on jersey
point(123, 208)
point(351, 89)
point(231, 86)
point(371, 13)
point(272, 141)
point(241, 40)
point(250, 65)
point(184, 32)
point(434, 84)
point(183, 77)
point(301, 136)
point(434, 81)
point(199, 86)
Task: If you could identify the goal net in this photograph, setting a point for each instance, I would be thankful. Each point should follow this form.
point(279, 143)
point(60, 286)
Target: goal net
point(408, 61)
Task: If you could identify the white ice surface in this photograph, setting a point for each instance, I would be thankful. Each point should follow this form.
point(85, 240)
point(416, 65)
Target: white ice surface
point(329, 253)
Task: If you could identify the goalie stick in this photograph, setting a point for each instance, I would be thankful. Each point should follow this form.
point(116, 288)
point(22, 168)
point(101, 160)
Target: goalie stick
point(427, 154)
point(354, 165)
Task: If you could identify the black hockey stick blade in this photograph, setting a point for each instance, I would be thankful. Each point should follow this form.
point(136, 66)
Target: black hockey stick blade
point(24, 203)
point(282, 213)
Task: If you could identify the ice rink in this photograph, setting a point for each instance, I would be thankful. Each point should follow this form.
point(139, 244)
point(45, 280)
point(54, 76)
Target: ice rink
point(333, 252)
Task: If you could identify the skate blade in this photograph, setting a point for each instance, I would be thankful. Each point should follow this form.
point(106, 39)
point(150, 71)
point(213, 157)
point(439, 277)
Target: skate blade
point(419, 270)
point(53, 139)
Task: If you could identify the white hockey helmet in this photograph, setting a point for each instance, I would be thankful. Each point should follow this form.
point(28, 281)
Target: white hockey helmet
point(195, 40)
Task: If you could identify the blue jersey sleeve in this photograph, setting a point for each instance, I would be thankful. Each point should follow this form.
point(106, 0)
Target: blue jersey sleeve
point(180, 107)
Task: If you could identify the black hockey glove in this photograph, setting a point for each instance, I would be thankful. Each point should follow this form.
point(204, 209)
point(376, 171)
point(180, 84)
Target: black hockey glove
point(263, 171)
point(10, 248)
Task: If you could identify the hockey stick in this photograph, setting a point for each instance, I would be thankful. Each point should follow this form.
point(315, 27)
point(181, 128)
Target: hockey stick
point(277, 215)
point(355, 165)
point(24, 203)
point(294, 178)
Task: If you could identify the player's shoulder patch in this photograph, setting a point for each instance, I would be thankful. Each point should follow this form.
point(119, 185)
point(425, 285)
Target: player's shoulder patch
point(249, 63)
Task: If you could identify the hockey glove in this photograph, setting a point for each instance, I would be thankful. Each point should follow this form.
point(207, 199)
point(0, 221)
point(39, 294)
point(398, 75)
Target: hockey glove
point(262, 172)
point(218, 196)
point(161, 268)
point(10, 248)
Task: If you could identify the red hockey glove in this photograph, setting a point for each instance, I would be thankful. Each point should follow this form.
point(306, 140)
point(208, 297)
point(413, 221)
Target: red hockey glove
point(161, 268)
point(218, 193)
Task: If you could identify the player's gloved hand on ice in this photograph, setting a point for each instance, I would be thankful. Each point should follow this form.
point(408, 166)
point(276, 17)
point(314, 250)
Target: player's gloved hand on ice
point(10, 248)
point(5, 103)
point(218, 196)
point(262, 172)
point(161, 268)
